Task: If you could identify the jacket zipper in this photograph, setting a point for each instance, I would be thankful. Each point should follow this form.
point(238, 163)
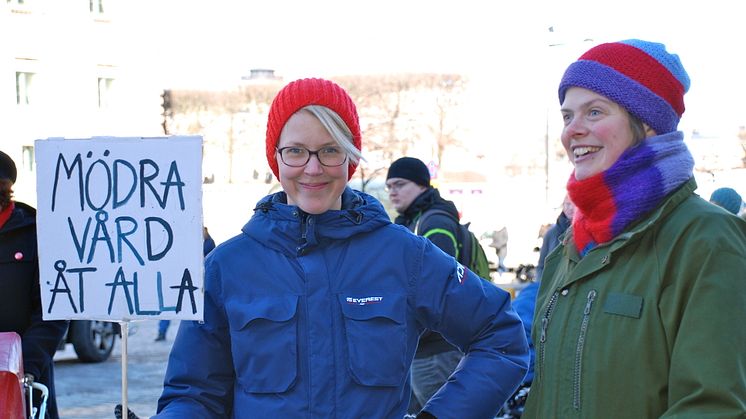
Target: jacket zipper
point(544, 325)
point(579, 349)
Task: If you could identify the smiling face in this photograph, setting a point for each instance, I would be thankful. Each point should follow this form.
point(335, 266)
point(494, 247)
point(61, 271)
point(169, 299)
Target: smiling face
point(314, 188)
point(596, 132)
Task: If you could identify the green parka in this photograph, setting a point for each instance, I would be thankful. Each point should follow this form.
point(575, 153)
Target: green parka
point(651, 324)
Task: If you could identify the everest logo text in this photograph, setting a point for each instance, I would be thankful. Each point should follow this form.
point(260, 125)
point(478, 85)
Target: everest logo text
point(364, 300)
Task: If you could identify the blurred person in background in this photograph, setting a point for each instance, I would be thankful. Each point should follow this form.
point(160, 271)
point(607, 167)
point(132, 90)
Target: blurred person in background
point(525, 302)
point(20, 298)
point(500, 244)
point(411, 195)
point(728, 199)
point(554, 233)
point(645, 287)
point(410, 192)
point(315, 309)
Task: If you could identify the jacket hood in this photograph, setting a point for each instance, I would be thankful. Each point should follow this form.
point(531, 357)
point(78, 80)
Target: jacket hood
point(290, 230)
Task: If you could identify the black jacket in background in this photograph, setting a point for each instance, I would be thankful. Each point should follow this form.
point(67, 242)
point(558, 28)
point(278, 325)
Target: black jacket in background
point(432, 343)
point(20, 299)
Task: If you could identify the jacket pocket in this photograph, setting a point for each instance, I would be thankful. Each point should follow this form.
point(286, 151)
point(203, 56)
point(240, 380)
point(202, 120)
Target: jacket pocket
point(375, 332)
point(264, 343)
point(626, 305)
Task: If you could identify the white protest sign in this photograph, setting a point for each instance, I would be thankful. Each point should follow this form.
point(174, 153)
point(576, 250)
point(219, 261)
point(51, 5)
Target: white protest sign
point(119, 227)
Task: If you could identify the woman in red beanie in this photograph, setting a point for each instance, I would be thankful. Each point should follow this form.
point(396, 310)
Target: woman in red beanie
point(315, 310)
point(639, 308)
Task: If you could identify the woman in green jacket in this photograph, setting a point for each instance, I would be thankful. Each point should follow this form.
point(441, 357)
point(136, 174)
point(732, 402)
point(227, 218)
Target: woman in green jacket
point(641, 309)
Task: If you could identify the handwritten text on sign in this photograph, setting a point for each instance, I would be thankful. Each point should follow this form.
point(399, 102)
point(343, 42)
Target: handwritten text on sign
point(120, 228)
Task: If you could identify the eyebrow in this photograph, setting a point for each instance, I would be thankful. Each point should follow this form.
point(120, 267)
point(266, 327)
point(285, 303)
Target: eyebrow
point(589, 103)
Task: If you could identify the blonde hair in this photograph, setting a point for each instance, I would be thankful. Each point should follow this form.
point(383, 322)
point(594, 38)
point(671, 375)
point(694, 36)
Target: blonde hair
point(337, 129)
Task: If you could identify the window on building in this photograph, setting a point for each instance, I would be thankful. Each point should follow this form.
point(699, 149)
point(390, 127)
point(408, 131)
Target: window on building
point(105, 92)
point(20, 6)
point(96, 6)
point(24, 83)
point(28, 157)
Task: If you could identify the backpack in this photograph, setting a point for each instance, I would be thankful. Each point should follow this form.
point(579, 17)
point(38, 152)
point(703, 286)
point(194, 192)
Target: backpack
point(469, 251)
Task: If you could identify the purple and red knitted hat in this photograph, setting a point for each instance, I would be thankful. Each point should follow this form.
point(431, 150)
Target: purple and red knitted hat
point(304, 92)
point(641, 76)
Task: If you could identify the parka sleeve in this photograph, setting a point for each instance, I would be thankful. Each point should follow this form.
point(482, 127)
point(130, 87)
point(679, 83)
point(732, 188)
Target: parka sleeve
point(477, 317)
point(199, 378)
point(703, 311)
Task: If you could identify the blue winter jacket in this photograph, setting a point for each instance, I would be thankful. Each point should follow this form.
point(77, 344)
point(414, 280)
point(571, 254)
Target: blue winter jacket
point(318, 316)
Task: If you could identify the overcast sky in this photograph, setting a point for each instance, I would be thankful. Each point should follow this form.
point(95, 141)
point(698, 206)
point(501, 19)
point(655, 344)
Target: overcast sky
point(504, 46)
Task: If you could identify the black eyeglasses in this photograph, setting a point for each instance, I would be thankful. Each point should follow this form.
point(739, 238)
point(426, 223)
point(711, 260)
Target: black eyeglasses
point(295, 156)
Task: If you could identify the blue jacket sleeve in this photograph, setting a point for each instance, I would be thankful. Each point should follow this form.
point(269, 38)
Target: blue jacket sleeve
point(199, 377)
point(477, 317)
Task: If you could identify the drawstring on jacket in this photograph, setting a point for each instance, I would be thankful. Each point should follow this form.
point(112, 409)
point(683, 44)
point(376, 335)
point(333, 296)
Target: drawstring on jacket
point(264, 206)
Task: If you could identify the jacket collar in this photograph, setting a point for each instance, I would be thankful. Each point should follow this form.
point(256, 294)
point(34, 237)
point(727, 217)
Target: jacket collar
point(289, 229)
point(22, 216)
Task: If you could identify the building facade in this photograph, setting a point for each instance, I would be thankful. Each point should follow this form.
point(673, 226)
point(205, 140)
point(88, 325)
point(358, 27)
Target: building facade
point(67, 70)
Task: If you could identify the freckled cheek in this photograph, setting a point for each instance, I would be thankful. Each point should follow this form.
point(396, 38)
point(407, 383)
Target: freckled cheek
point(607, 134)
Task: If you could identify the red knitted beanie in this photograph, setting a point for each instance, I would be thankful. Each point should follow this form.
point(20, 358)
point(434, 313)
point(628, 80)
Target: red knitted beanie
point(304, 92)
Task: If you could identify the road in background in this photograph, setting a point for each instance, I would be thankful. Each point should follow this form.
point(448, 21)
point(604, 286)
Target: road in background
point(90, 391)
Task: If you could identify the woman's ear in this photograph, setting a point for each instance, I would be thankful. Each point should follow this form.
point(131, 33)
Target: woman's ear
point(649, 132)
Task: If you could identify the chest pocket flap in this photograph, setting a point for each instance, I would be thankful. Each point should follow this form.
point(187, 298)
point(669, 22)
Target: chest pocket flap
point(390, 307)
point(627, 305)
point(273, 308)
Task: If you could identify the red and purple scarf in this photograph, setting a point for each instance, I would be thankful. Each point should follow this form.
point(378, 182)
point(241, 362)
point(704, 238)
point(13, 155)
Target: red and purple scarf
point(631, 188)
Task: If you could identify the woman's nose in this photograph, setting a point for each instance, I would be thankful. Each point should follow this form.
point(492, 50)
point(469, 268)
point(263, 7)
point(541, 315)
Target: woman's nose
point(574, 127)
point(313, 167)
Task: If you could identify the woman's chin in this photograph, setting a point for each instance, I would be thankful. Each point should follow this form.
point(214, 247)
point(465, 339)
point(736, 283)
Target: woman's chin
point(316, 207)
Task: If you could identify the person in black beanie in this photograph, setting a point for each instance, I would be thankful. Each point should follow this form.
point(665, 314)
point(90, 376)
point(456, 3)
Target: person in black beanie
point(410, 192)
point(20, 299)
